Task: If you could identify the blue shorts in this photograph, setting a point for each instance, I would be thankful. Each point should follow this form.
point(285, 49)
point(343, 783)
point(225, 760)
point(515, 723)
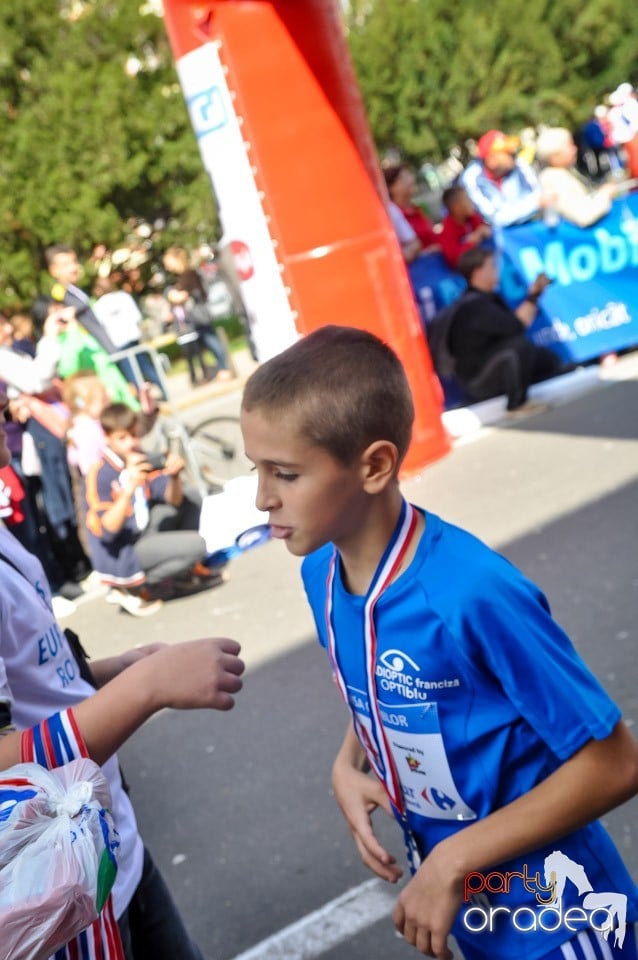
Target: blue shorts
point(586, 945)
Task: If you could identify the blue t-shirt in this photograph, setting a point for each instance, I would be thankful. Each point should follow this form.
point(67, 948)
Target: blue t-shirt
point(482, 696)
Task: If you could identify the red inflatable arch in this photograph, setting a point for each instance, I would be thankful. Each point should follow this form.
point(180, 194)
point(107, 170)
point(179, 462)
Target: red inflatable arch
point(282, 131)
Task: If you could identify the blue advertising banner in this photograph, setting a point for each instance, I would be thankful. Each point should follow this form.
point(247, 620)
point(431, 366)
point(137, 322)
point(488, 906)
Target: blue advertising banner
point(591, 308)
point(434, 284)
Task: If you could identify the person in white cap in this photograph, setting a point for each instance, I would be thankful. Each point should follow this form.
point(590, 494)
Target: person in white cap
point(623, 116)
point(574, 198)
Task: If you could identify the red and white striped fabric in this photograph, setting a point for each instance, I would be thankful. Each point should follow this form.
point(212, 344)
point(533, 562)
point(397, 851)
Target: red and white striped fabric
point(52, 743)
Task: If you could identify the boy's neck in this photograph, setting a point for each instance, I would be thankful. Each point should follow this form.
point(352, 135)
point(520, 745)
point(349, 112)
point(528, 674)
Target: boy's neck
point(360, 555)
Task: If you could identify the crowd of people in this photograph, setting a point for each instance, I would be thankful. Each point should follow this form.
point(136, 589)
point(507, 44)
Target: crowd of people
point(82, 490)
point(512, 180)
point(326, 424)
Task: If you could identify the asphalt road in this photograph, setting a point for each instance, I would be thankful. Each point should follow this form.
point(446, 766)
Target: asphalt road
point(237, 807)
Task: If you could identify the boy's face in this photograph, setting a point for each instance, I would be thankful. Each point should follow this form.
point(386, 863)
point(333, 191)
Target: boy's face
point(311, 497)
point(122, 443)
point(463, 206)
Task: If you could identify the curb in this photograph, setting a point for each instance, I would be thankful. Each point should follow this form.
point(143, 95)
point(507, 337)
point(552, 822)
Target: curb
point(464, 423)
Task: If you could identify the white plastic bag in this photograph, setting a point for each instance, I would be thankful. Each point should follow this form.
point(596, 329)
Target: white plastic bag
point(57, 855)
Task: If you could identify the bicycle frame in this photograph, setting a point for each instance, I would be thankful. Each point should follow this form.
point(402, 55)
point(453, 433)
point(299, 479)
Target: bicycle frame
point(172, 426)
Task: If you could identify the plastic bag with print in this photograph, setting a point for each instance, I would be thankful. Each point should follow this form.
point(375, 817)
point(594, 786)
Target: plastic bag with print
point(57, 855)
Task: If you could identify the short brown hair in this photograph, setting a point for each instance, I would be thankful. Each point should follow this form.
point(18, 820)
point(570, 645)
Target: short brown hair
point(55, 250)
point(473, 260)
point(117, 416)
point(347, 387)
point(392, 172)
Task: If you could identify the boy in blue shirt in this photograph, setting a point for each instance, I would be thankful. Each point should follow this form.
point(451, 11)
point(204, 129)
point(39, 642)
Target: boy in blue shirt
point(486, 735)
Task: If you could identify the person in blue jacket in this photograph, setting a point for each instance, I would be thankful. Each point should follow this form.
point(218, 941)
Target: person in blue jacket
point(473, 719)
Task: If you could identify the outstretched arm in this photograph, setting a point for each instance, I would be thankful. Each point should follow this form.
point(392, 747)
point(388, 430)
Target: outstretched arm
point(600, 776)
point(185, 676)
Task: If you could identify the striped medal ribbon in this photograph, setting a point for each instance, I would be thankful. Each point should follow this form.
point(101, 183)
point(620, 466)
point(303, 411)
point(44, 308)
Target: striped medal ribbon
point(381, 759)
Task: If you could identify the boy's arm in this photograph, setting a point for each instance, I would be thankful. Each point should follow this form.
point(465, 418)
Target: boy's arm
point(107, 668)
point(191, 675)
point(174, 492)
point(114, 518)
point(601, 775)
point(358, 795)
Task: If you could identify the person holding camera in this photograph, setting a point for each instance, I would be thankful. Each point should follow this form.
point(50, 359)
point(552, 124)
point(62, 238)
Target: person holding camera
point(492, 353)
point(141, 520)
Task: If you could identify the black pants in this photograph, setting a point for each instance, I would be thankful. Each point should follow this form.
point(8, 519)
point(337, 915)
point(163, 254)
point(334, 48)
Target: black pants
point(511, 370)
point(171, 545)
point(151, 928)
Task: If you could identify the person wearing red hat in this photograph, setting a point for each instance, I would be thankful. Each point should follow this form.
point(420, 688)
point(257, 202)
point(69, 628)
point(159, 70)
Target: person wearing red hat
point(503, 189)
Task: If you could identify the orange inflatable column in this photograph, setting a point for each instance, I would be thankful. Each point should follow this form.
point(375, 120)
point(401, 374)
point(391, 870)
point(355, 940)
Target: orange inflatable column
point(281, 128)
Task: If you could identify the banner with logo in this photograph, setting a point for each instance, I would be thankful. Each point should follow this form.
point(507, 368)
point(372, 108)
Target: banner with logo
point(434, 284)
point(591, 308)
point(221, 143)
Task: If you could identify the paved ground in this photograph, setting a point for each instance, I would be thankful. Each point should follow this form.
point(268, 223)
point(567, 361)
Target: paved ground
point(237, 807)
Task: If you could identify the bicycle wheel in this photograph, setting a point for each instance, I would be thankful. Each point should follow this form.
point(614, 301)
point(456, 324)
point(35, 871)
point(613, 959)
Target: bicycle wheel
point(217, 445)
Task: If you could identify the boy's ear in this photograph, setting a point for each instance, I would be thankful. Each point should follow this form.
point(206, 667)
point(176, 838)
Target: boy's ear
point(379, 462)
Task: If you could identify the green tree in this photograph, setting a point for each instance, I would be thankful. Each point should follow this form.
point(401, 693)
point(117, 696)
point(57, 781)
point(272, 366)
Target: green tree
point(434, 74)
point(94, 133)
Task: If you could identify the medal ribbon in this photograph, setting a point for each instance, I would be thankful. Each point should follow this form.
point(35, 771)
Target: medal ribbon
point(386, 571)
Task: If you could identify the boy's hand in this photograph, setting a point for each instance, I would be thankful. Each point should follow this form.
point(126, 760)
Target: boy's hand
point(130, 479)
point(358, 795)
point(427, 906)
point(195, 674)
point(540, 283)
point(174, 464)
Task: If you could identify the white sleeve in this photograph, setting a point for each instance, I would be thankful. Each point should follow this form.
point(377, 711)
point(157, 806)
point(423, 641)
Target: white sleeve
point(28, 374)
point(402, 228)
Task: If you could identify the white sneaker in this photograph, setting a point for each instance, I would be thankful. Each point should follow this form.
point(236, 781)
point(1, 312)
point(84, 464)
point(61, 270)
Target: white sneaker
point(92, 582)
point(62, 607)
point(133, 604)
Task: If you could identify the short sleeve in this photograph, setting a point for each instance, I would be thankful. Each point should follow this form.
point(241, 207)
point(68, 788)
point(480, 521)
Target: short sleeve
point(405, 233)
point(534, 661)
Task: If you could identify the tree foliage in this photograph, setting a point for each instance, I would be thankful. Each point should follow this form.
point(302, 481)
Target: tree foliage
point(434, 73)
point(87, 144)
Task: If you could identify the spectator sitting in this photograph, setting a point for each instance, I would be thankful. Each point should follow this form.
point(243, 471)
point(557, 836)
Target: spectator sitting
point(413, 229)
point(142, 526)
point(573, 197)
point(488, 342)
point(503, 189)
point(462, 227)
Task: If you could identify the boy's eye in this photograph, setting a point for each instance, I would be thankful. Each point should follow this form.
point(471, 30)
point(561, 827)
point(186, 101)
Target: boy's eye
point(288, 477)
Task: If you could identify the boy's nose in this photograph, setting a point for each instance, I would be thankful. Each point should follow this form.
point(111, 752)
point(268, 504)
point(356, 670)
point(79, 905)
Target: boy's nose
point(266, 498)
